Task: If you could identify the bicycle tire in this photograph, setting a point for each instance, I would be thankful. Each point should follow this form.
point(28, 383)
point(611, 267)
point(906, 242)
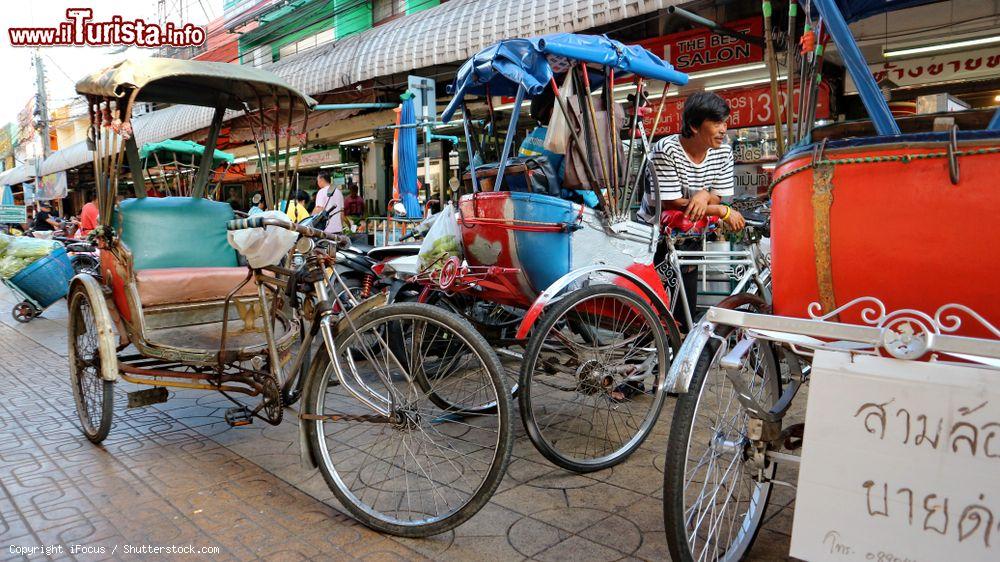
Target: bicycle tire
point(318, 385)
point(676, 465)
point(529, 398)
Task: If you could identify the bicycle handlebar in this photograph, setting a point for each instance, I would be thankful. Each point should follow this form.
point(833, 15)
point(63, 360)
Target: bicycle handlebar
point(309, 232)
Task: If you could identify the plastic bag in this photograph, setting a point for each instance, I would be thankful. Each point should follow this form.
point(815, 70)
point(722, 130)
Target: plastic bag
point(557, 133)
point(18, 252)
point(263, 246)
point(443, 240)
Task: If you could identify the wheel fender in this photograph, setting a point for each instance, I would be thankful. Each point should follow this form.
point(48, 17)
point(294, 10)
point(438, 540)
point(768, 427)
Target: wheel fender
point(682, 368)
point(106, 338)
point(546, 297)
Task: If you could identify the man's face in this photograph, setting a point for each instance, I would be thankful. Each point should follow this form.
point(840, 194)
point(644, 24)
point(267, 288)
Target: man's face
point(711, 133)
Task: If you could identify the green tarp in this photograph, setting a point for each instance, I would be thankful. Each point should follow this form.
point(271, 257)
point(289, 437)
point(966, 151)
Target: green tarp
point(181, 151)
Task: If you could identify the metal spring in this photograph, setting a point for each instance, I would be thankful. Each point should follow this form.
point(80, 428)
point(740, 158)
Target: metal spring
point(366, 286)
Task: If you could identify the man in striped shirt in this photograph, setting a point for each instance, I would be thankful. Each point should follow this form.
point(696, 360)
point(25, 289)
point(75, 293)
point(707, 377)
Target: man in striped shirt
point(694, 171)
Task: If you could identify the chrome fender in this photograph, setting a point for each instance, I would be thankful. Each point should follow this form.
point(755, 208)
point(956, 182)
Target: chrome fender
point(682, 368)
point(546, 297)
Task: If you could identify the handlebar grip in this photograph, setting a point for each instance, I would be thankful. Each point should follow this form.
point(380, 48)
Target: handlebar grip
point(260, 222)
point(241, 224)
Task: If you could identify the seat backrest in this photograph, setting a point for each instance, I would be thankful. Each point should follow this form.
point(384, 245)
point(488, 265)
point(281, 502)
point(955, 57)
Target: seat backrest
point(166, 232)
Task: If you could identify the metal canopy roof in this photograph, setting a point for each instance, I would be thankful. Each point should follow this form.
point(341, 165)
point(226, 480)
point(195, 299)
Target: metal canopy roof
point(190, 83)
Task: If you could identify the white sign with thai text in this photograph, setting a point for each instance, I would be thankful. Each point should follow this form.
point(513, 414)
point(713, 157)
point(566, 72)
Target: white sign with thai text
point(949, 67)
point(900, 462)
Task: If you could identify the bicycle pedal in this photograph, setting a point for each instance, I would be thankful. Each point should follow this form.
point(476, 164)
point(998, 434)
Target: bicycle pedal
point(238, 416)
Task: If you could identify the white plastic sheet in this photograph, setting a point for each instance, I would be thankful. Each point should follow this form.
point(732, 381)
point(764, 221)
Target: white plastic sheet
point(263, 246)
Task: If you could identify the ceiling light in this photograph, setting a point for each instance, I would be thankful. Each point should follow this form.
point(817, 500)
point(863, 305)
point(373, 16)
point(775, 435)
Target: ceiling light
point(724, 71)
point(740, 84)
point(942, 46)
point(352, 142)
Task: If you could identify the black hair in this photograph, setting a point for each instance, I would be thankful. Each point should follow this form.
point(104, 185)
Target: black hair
point(90, 195)
point(324, 175)
point(301, 196)
point(701, 106)
point(542, 104)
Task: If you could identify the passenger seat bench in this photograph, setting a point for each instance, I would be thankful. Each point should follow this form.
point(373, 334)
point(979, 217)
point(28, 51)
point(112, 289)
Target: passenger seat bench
point(180, 253)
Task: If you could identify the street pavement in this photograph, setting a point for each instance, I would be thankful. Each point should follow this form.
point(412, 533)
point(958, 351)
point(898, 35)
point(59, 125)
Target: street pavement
point(176, 475)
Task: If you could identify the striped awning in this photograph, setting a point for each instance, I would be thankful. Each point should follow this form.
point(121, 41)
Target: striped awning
point(449, 33)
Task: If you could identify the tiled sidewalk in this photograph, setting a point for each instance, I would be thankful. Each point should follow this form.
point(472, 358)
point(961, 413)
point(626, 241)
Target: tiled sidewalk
point(176, 474)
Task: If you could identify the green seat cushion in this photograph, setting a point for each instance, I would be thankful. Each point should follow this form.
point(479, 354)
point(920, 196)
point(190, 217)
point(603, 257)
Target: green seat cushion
point(166, 232)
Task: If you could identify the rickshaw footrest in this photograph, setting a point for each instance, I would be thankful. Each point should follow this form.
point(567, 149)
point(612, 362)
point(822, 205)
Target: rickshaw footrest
point(147, 397)
point(238, 415)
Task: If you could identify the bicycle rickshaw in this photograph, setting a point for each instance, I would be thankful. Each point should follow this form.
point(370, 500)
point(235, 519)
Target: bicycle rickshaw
point(175, 309)
point(171, 166)
point(579, 280)
point(847, 277)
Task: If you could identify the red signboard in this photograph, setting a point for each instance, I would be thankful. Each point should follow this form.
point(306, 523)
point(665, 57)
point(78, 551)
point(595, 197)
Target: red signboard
point(751, 107)
point(700, 49)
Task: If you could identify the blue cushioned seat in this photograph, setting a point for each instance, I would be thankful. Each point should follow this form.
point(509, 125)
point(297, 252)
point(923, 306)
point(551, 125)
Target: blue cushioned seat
point(170, 232)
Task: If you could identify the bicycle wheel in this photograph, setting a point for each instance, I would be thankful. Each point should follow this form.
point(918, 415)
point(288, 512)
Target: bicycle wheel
point(94, 396)
point(423, 469)
point(591, 384)
point(713, 504)
point(479, 315)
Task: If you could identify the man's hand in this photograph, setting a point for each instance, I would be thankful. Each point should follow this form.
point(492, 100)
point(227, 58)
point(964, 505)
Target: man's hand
point(697, 207)
point(735, 221)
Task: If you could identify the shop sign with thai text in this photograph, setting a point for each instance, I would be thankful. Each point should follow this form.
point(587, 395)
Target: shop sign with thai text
point(13, 214)
point(700, 49)
point(949, 67)
point(900, 462)
point(751, 179)
point(751, 107)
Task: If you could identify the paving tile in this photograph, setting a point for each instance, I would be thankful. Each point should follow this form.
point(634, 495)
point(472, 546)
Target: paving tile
point(578, 548)
point(176, 473)
point(530, 536)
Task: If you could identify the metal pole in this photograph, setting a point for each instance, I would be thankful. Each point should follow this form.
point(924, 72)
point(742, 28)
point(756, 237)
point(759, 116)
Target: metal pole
point(41, 99)
point(793, 12)
point(856, 65)
point(507, 142)
point(772, 68)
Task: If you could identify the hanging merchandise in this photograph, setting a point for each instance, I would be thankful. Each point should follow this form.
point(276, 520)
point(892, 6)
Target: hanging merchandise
point(52, 186)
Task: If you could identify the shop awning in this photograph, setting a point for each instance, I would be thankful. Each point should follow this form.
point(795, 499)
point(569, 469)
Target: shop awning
point(17, 174)
point(151, 127)
point(449, 33)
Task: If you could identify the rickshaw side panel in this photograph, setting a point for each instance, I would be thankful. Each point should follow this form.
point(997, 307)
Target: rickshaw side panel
point(899, 232)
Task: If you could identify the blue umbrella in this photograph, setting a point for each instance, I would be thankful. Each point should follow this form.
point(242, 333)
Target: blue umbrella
point(407, 158)
point(7, 197)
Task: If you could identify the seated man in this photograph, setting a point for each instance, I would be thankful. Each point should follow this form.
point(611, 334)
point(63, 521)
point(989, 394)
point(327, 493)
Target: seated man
point(694, 171)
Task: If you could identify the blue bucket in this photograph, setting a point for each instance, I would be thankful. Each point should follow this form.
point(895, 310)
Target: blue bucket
point(47, 279)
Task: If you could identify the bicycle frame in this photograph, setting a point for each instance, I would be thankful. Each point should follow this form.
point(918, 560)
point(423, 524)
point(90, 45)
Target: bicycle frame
point(745, 266)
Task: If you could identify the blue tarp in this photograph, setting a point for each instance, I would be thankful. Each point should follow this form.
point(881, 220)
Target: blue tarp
point(512, 63)
point(7, 196)
point(854, 10)
point(407, 160)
